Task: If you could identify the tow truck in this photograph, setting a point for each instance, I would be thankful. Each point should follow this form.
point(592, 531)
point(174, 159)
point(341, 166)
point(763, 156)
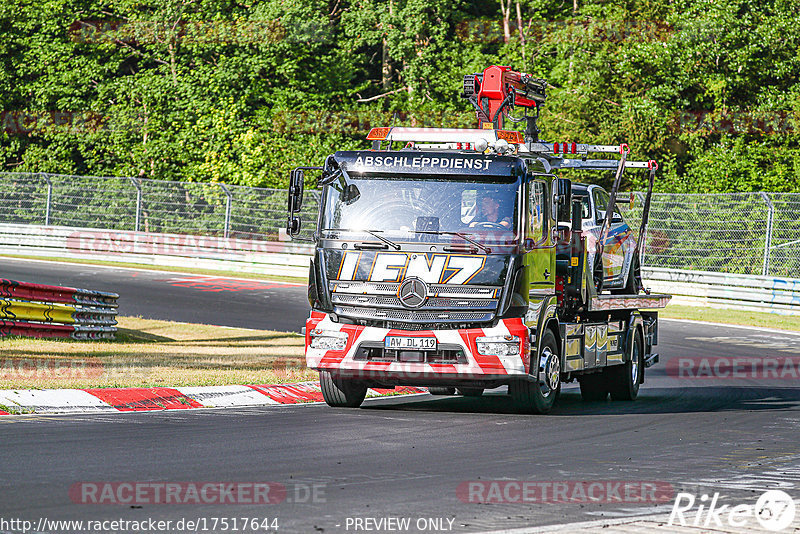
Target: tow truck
point(457, 260)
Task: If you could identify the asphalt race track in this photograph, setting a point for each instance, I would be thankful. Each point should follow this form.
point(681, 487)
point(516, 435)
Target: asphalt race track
point(413, 457)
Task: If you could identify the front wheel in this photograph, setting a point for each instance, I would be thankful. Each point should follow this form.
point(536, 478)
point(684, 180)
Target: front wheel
point(341, 392)
point(540, 395)
point(625, 379)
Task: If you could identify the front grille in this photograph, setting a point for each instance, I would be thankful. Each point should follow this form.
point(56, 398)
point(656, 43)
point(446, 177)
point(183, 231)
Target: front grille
point(436, 303)
point(435, 290)
point(377, 304)
point(375, 352)
point(413, 316)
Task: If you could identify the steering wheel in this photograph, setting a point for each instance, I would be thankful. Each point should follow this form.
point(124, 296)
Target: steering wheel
point(489, 225)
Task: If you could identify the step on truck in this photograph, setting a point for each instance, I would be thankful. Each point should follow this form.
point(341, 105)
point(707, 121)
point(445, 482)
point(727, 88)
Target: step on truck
point(458, 260)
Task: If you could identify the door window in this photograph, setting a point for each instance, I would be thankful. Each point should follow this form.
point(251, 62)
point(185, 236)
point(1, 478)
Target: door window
point(537, 203)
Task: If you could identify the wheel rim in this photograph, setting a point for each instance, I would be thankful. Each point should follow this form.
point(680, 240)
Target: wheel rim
point(550, 372)
point(635, 362)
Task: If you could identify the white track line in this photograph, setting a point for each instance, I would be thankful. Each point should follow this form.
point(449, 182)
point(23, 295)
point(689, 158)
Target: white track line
point(729, 325)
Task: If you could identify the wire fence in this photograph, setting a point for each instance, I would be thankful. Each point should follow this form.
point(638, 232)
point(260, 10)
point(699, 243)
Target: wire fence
point(147, 205)
point(744, 233)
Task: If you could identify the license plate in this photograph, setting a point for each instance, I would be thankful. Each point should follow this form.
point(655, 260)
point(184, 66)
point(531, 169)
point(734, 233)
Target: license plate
point(410, 343)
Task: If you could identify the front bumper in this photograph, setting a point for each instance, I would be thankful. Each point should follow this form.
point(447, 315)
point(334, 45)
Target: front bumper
point(455, 362)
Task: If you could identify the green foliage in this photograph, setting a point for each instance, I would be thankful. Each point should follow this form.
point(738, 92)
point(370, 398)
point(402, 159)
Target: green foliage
point(238, 92)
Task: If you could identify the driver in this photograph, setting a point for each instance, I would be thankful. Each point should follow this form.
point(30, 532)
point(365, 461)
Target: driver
point(490, 213)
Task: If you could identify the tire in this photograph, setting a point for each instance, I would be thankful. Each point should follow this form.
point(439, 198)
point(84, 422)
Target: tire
point(341, 392)
point(470, 392)
point(624, 380)
point(441, 390)
point(533, 396)
point(630, 282)
point(594, 387)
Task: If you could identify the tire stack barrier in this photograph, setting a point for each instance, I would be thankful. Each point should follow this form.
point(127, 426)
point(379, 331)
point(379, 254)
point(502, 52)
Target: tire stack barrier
point(36, 310)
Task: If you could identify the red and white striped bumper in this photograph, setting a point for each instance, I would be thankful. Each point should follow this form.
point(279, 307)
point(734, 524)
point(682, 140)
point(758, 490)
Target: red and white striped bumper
point(476, 366)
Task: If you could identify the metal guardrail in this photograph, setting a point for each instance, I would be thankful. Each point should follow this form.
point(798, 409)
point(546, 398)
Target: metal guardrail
point(758, 293)
point(36, 310)
point(707, 288)
point(171, 250)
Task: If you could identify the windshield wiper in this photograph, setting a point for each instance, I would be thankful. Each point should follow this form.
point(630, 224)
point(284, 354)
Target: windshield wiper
point(390, 243)
point(463, 236)
point(370, 232)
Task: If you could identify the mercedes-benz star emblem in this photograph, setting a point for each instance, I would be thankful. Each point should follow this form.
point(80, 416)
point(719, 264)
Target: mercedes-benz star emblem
point(412, 293)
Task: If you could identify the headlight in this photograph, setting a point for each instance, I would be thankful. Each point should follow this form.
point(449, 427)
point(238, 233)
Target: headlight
point(498, 345)
point(328, 340)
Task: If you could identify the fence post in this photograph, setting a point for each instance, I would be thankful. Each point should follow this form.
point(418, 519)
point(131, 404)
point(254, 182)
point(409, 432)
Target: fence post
point(138, 201)
point(49, 198)
point(227, 228)
point(768, 237)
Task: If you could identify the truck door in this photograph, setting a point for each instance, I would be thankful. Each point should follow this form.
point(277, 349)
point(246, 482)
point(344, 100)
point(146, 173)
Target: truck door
point(540, 258)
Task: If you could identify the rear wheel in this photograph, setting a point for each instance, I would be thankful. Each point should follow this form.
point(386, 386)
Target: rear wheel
point(470, 392)
point(441, 390)
point(539, 396)
point(625, 379)
point(341, 392)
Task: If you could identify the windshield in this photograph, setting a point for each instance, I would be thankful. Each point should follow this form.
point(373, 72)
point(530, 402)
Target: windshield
point(411, 208)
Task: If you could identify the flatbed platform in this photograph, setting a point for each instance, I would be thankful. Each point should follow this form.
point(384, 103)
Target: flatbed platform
point(627, 302)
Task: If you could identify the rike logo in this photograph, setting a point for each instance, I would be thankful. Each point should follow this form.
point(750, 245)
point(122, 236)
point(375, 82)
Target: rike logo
point(396, 266)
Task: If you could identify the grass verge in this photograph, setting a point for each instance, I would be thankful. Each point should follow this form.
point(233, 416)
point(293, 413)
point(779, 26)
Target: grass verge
point(740, 317)
point(156, 353)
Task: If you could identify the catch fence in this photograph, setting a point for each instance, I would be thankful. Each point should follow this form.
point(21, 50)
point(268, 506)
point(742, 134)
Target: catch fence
point(740, 233)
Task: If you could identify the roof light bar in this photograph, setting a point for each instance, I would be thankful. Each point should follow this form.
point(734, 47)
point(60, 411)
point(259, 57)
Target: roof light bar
point(511, 136)
point(378, 134)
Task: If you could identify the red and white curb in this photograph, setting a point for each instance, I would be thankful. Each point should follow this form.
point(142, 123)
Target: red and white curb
point(23, 401)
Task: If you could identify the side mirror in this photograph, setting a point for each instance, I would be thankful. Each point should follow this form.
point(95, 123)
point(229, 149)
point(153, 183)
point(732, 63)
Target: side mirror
point(563, 199)
point(296, 183)
point(295, 201)
point(293, 226)
point(350, 194)
point(616, 218)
